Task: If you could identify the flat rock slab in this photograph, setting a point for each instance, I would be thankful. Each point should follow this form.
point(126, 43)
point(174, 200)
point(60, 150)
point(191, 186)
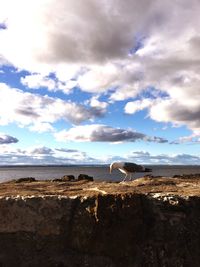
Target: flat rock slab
point(162, 185)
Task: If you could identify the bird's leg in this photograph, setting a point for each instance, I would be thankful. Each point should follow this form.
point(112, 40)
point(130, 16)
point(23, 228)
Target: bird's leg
point(125, 177)
point(131, 176)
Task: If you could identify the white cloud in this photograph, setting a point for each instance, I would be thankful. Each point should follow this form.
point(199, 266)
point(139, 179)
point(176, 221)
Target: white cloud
point(148, 158)
point(178, 112)
point(104, 133)
point(71, 35)
point(41, 151)
point(39, 112)
point(134, 106)
point(123, 77)
point(94, 102)
point(99, 78)
point(36, 81)
point(194, 138)
point(47, 155)
point(42, 155)
point(41, 127)
point(66, 87)
point(90, 43)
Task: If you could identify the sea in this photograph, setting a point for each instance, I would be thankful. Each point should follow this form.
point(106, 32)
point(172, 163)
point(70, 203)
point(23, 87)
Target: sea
point(98, 172)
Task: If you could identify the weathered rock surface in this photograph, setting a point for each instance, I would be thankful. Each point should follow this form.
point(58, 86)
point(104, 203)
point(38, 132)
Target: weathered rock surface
point(26, 179)
point(85, 177)
point(147, 222)
point(65, 178)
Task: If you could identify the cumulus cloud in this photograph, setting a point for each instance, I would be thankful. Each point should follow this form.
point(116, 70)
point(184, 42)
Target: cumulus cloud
point(40, 112)
point(148, 158)
point(36, 81)
point(95, 103)
point(104, 133)
point(7, 139)
point(134, 106)
point(99, 107)
point(185, 112)
point(168, 109)
point(42, 151)
point(122, 79)
point(85, 32)
point(78, 32)
point(109, 46)
point(46, 155)
point(41, 127)
point(42, 155)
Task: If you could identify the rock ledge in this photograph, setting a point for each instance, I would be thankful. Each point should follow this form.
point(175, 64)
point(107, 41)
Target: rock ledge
point(146, 222)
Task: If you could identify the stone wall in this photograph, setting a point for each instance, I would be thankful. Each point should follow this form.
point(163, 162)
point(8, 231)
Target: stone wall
point(101, 230)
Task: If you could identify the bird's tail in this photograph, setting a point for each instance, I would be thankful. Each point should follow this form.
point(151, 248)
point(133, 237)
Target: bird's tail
point(147, 170)
point(111, 167)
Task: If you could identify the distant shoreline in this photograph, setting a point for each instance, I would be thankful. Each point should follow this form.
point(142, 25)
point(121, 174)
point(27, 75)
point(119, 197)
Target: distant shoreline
point(92, 165)
point(99, 172)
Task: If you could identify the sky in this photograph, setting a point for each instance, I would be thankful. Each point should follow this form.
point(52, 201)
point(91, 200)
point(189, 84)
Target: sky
point(91, 82)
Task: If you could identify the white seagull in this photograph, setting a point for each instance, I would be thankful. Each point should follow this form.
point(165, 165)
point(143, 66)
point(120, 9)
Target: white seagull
point(128, 168)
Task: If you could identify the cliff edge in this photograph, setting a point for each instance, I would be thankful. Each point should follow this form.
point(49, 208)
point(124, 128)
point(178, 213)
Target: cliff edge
point(146, 222)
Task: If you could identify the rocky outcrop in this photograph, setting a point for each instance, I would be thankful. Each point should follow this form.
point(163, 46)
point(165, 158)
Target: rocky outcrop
point(26, 179)
point(65, 178)
point(85, 177)
point(146, 222)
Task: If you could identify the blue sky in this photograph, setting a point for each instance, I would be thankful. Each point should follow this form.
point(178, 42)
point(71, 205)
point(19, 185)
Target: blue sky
point(100, 81)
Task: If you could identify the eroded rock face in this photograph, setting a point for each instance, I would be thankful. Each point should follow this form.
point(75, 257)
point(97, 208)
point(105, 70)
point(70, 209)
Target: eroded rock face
point(147, 222)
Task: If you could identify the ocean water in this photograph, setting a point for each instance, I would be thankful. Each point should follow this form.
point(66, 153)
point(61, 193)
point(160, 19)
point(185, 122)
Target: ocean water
point(98, 172)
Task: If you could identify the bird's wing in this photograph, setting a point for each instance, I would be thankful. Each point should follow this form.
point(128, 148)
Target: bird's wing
point(132, 167)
